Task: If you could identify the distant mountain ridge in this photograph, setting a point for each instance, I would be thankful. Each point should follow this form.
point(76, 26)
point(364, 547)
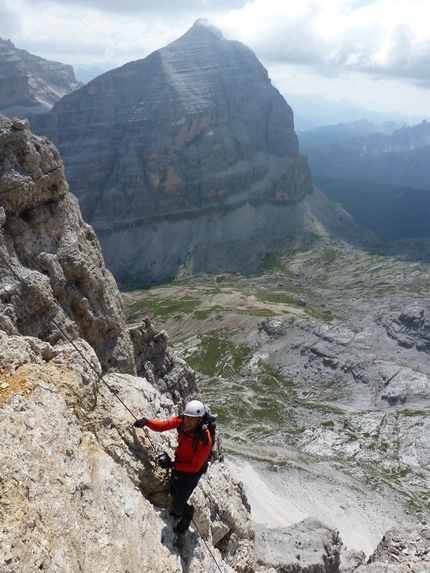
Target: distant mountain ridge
point(392, 212)
point(382, 180)
point(30, 85)
point(401, 140)
point(401, 158)
point(314, 110)
point(327, 134)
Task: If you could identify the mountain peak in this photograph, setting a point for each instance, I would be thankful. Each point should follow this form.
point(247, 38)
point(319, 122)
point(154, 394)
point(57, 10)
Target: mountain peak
point(202, 35)
point(199, 129)
point(207, 26)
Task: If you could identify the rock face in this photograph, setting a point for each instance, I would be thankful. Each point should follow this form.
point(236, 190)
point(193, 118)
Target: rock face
point(79, 490)
point(57, 274)
point(187, 156)
point(29, 84)
point(411, 328)
point(307, 546)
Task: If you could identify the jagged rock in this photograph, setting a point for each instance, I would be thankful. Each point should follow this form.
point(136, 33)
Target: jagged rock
point(307, 546)
point(53, 273)
point(29, 84)
point(273, 327)
point(378, 567)
point(411, 328)
point(59, 515)
point(401, 550)
point(97, 471)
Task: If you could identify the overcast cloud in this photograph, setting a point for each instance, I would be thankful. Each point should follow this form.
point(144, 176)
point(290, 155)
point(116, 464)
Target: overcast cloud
point(372, 52)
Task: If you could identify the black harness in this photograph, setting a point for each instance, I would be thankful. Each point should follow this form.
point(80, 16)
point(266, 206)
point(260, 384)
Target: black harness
point(201, 433)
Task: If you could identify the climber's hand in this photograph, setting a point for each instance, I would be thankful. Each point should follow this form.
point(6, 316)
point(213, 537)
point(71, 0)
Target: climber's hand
point(165, 462)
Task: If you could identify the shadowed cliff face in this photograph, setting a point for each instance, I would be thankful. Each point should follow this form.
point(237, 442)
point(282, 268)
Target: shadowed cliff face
point(193, 128)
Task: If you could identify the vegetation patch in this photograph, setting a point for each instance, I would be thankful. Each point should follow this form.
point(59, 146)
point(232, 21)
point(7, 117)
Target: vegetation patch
point(276, 297)
point(273, 263)
point(160, 308)
point(330, 254)
point(264, 312)
point(218, 355)
point(210, 313)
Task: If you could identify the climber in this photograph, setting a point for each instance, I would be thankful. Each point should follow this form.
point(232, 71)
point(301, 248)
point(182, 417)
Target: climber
point(191, 457)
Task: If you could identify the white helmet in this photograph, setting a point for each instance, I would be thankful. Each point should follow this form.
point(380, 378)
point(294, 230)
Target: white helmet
point(194, 409)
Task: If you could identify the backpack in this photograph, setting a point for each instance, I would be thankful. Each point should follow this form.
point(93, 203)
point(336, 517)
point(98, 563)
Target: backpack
point(208, 423)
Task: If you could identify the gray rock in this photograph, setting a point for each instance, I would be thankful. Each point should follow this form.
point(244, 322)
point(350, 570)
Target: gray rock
point(307, 546)
point(53, 273)
point(401, 549)
point(337, 395)
point(411, 328)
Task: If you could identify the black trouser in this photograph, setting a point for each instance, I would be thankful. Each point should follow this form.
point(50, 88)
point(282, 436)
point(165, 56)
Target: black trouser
point(182, 486)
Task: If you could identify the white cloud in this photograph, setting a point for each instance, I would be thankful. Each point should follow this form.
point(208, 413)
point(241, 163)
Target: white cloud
point(140, 6)
point(384, 37)
point(382, 95)
point(334, 42)
point(86, 35)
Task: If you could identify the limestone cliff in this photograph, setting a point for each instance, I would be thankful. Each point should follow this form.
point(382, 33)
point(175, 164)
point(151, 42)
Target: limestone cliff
point(78, 488)
point(186, 156)
point(55, 253)
point(29, 84)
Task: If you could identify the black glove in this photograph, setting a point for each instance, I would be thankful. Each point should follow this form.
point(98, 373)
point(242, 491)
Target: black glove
point(140, 423)
point(165, 462)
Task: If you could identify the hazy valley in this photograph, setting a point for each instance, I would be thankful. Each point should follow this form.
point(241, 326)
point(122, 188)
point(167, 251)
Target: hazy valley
point(378, 173)
point(319, 366)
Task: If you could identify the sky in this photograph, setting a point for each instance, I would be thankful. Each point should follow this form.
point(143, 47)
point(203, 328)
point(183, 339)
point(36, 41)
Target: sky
point(374, 53)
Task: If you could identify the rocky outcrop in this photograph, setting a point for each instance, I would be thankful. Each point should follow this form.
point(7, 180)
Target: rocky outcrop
point(79, 488)
point(401, 549)
point(30, 85)
point(307, 546)
point(183, 158)
point(53, 273)
point(411, 328)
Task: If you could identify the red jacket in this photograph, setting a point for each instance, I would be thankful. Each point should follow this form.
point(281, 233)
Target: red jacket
point(187, 460)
